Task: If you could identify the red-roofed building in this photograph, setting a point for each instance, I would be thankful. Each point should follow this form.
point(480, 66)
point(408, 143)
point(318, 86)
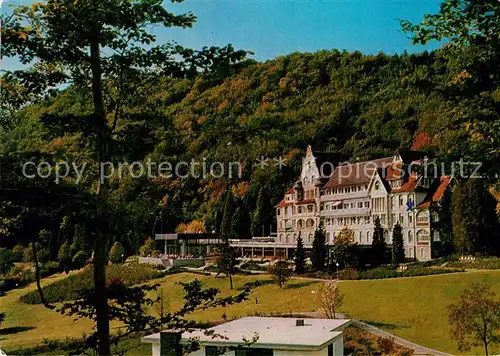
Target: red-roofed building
point(392, 189)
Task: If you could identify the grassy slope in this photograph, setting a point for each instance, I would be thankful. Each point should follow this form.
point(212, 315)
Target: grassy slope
point(414, 308)
point(35, 321)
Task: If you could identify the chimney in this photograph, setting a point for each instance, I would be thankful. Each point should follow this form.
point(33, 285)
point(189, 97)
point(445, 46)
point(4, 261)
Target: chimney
point(170, 343)
point(299, 322)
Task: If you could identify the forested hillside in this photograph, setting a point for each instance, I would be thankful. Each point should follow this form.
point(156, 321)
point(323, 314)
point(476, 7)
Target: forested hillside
point(353, 105)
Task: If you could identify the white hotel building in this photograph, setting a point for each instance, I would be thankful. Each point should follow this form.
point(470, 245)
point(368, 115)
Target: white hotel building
point(354, 195)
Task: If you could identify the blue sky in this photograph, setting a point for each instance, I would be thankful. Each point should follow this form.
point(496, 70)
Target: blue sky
point(271, 28)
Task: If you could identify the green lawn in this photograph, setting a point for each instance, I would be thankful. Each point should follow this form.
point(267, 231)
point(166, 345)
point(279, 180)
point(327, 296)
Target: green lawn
point(414, 308)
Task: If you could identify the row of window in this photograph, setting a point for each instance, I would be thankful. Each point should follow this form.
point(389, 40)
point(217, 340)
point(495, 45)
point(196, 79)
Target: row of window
point(353, 220)
point(300, 224)
point(347, 190)
point(337, 206)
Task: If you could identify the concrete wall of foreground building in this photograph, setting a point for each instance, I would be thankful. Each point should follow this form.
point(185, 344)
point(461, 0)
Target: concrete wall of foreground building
point(338, 350)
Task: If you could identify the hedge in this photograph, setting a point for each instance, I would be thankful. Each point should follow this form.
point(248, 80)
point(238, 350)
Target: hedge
point(68, 288)
point(387, 272)
point(481, 263)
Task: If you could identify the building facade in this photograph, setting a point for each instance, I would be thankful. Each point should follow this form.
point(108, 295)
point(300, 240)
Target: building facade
point(394, 189)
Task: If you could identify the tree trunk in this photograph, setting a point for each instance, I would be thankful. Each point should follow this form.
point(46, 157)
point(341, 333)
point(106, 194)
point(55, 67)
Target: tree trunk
point(101, 303)
point(37, 277)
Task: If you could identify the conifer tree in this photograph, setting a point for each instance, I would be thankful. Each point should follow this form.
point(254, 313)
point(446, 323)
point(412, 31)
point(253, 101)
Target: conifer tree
point(257, 216)
point(378, 244)
point(300, 256)
point(227, 215)
point(318, 255)
point(398, 252)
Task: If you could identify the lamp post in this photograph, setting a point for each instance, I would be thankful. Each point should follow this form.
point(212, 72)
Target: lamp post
point(337, 264)
point(122, 258)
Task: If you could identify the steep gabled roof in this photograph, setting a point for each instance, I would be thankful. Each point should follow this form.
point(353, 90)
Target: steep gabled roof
point(356, 173)
point(444, 183)
point(435, 195)
point(410, 185)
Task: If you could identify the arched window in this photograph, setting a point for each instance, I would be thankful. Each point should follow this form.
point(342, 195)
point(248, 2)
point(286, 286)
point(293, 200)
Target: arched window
point(281, 238)
point(423, 236)
point(299, 210)
point(410, 236)
point(422, 217)
point(300, 224)
point(310, 223)
point(377, 186)
point(287, 238)
point(361, 237)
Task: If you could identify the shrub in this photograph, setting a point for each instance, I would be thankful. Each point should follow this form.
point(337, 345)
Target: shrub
point(361, 342)
point(69, 287)
point(149, 248)
point(254, 266)
point(64, 254)
point(7, 258)
point(18, 251)
point(49, 268)
point(117, 253)
point(28, 254)
point(43, 255)
point(348, 274)
point(79, 259)
point(21, 279)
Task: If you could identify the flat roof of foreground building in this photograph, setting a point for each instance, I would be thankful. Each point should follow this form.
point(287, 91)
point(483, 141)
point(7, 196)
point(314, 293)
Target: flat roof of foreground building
point(270, 332)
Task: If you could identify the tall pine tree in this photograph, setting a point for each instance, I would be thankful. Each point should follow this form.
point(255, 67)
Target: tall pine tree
point(227, 215)
point(258, 215)
point(378, 244)
point(318, 255)
point(398, 252)
point(300, 256)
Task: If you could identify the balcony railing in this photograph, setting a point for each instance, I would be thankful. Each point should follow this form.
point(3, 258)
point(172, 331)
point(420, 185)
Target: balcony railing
point(346, 212)
point(344, 196)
